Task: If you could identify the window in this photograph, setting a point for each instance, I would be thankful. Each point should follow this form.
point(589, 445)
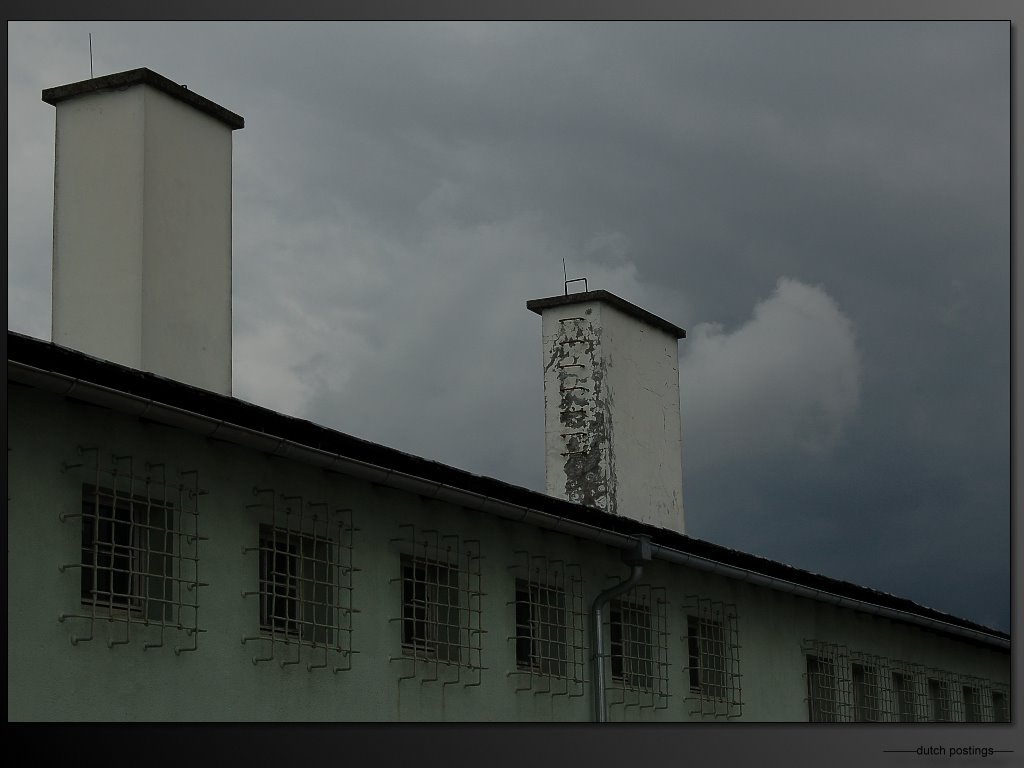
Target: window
point(439, 602)
point(135, 556)
point(972, 704)
point(903, 692)
point(127, 544)
point(822, 691)
point(108, 552)
point(1000, 710)
point(135, 552)
point(547, 608)
point(431, 627)
point(712, 658)
point(632, 641)
point(541, 629)
point(302, 582)
point(707, 657)
point(296, 585)
point(829, 682)
point(279, 593)
point(939, 708)
point(865, 692)
point(637, 658)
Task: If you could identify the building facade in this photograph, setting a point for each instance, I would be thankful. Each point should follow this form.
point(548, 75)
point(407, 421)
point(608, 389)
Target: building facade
point(178, 554)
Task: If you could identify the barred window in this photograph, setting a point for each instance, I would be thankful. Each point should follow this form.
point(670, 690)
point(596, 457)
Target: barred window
point(972, 704)
point(302, 582)
point(541, 629)
point(822, 691)
point(547, 605)
point(297, 585)
point(712, 653)
point(707, 660)
point(279, 594)
point(865, 693)
point(637, 658)
point(632, 645)
point(903, 692)
point(940, 704)
point(439, 602)
point(127, 543)
point(137, 555)
point(431, 627)
point(828, 682)
point(1000, 709)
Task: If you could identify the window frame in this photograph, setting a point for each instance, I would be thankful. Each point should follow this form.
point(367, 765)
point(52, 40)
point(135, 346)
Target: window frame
point(623, 649)
point(972, 693)
point(904, 698)
point(145, 594)
point(1000, 706)
point(309, 586)
point(428, 632)
point(941, 708)
point(534, 632)
point(866, 688)
point(704, 636)
point(821, 667)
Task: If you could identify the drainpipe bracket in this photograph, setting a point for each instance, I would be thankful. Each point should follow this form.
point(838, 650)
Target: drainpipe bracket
point(639, 553)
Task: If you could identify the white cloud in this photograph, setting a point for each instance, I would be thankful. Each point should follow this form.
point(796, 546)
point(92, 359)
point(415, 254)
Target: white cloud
point(786, 381)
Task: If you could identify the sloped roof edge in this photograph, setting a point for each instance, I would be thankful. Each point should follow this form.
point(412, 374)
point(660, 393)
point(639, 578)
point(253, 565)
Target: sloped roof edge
point(25, 353)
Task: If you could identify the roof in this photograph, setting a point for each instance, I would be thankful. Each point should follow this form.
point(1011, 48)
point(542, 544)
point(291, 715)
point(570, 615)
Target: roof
point(26, 353)
point(143, 76)
point(539, 305)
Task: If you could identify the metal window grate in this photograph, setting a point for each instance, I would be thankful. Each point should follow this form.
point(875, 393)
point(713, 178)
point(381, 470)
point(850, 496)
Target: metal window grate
point(943, 705)
point(903, 697)
point(431, 626)
point(977, 699)
point(304, 584)
point(1000, 704)
point(549, 620)
point(885, 690)
point(865, 679)
point(712, 653)
point(638, 649)
point(828, 682)
point(844, 686)
point(440, 607)
point(138, 558)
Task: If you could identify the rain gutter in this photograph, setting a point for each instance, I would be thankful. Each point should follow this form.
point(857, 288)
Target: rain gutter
point(212, 427)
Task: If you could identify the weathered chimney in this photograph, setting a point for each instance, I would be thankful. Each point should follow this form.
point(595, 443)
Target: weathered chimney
point(611, 407)
point(142, 226)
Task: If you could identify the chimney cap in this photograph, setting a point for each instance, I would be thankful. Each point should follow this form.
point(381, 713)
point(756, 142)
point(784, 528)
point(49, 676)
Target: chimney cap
point(143, 76)
point(539, 305)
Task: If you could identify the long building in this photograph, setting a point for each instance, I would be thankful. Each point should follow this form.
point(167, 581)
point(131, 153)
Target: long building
point(179, 554)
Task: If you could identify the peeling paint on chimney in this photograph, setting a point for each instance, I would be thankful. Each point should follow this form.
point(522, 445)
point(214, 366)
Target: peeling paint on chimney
point(574, 358)
point(611, 404)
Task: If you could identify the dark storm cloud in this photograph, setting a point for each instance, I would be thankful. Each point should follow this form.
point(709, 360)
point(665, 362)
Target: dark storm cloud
point(402, 189)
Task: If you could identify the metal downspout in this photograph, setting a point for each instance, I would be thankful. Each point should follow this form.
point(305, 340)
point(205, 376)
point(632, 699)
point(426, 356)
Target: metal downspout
point(634, 557)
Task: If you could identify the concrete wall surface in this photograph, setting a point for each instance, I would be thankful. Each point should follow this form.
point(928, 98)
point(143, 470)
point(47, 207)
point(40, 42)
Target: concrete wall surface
point(157, 672)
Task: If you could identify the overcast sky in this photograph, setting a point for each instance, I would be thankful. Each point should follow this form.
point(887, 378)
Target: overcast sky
point(824, 207)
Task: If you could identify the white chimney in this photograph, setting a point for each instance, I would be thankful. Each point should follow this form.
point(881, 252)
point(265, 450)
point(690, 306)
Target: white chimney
point(142, 226)
point(611, 407)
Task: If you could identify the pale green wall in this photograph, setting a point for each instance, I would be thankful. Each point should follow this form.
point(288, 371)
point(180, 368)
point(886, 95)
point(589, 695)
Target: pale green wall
point(49, 679)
